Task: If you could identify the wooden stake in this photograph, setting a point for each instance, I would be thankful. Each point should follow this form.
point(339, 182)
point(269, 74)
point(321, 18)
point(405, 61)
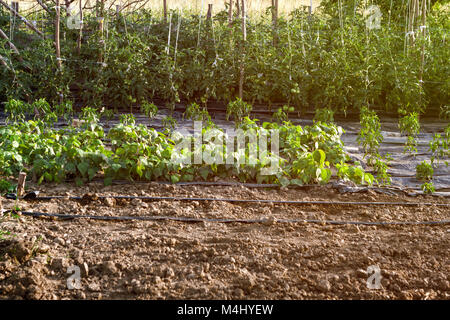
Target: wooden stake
point(165, 10)
point(209, 14)
point(5, 62)
point(275, 22)
point(11, 45)
point(244, 39)
point(230, 15)
point(67, 8)
point(27, 23)
point(100, 28)
point(244, 21)
point(80, 34)
point(57, 44)
point(43, 5)
point(230, 23)
point(21, 184)
point(102, 8)
point(424, 21)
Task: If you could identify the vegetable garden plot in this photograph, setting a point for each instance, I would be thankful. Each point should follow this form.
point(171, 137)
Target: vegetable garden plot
point(191, 217)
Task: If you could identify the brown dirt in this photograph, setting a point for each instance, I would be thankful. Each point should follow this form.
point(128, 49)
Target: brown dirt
point(176, 260)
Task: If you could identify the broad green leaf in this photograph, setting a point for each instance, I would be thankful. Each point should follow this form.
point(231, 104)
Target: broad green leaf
point(83, 167)
point(175, 178)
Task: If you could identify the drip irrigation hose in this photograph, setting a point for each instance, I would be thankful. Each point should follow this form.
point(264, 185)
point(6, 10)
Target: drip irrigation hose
point(227, 220)
point(88, 197)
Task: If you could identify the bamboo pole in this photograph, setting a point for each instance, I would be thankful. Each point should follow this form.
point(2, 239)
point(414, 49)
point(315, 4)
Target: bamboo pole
point(44, 6)
point(4, 62)
point(68, 8)
point(230, 15)
point(27, 23)
point(165, 10)
point(209, 14)
point(230, 23)
point(102, 8)
point(244, 21)
point(275, 22)
point(244, 39)
point(11, 45)
point(80, 33)
point(57, 44)
point(424, 21)
point(102, 41)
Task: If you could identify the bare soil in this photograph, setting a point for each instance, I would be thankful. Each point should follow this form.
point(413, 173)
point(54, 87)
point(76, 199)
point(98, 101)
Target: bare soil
point(177, 260)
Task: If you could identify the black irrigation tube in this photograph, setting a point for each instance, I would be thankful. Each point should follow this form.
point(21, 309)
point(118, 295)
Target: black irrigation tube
point(290, 202)
point(385, 190)
point(227, 220)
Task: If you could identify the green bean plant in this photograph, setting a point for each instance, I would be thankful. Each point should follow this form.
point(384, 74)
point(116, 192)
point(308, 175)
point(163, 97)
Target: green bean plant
point(410, 126)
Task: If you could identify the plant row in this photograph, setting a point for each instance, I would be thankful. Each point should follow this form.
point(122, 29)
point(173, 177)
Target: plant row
point(316, 62)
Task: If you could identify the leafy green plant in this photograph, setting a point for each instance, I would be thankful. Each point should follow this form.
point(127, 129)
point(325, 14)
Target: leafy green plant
point(324, 61)
point(282, 114)
point(107, 113)
point(445, 112)
point(428, 188)
point(370, 136)
point(306, 154)
point(64, 109)
point(40, 109)
point(90, 115)
point(16, 110)
point(5, 234)
point(238, 109)
point(410, 126)
point(6, 187)
point(169, 122)
point(127, 119)
point(194, 112)
point(440, 147)
point(381, 166)
point(149, 109)
point(424, 171)
point(354, 173)
point(325, 115)
point(312, 167)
